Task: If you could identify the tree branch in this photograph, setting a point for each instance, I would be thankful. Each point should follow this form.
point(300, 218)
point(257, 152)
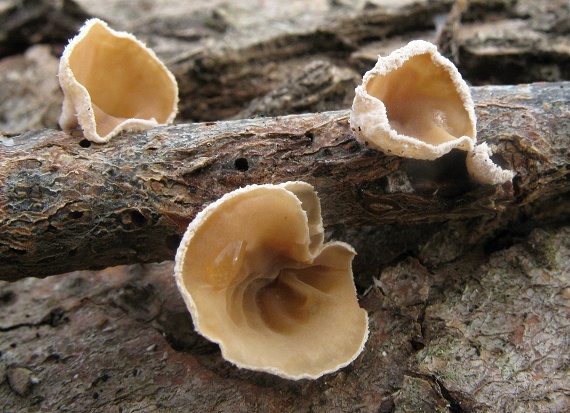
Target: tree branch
point(67, 204)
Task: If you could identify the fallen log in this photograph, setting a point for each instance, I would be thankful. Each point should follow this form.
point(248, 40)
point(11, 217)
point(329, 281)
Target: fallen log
point(67, 204)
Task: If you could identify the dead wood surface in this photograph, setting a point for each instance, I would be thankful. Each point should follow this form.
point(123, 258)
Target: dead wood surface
point(482, 333)
point(234, 59)
point(68, 204)
point(469, 313)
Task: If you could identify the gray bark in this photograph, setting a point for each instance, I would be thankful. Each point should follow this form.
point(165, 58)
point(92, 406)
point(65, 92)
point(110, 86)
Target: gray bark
point(68, 204)
point(467, 296)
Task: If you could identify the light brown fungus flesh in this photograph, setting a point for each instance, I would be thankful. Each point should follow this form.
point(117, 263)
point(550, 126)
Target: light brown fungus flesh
point(258, 280)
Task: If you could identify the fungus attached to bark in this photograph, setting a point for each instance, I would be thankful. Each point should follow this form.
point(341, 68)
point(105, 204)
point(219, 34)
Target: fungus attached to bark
point(415, 104)
point(483, 170)
point(113, 83)
point(258, 279)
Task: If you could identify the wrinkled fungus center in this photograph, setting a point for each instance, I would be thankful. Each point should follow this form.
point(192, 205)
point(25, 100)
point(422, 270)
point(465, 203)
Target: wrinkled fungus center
point(289, 301)
point(421, 101)
point(286, 298)
point(258, 279)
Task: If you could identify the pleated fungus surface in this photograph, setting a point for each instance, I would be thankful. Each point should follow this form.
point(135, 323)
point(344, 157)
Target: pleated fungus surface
point(259, 281)
point(113, 83)
point(415, 104)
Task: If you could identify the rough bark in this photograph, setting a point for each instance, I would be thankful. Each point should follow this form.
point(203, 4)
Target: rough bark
point(483, 333)
point(68, 204)
point(467, 315)
point(226, 55)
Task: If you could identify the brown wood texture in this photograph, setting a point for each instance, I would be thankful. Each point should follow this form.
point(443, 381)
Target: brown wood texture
point(483, 332)
point(467, 315)
point(68, 204)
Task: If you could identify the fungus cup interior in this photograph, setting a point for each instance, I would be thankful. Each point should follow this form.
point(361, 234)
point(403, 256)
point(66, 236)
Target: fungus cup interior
point(422, 101)
point(414, 103)
point(113, 83)
point(258, 280)
point(121, 78)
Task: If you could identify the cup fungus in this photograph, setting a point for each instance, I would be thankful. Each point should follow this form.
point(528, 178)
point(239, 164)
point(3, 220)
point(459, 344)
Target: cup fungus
point(414, 103)
point(113, 83)
point(258, 279)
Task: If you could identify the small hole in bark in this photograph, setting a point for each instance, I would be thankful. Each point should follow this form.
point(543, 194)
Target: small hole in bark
point(84, 143)
point(17, 251)
point(309, 135)
point(138, 218)
point(76, 214)
point(241, 164)
point(417, 345)
point(7, 297)
point(134, 218)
